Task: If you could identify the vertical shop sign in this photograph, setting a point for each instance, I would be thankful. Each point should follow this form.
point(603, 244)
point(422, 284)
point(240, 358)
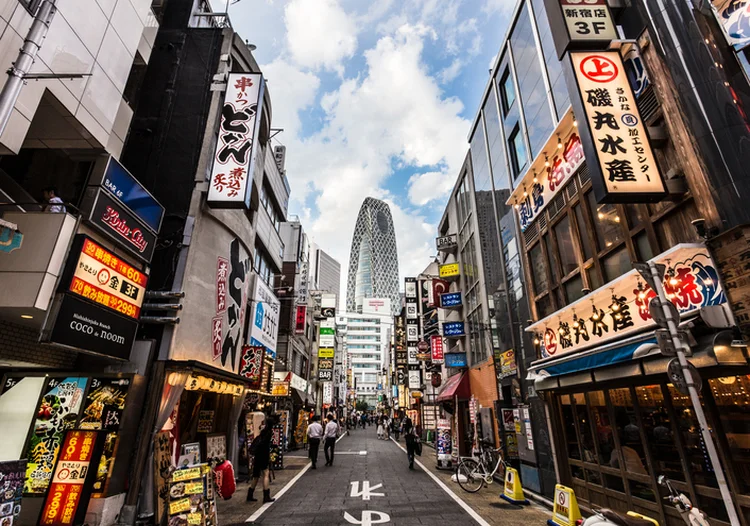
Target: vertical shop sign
point(265, 317)
point(299, 319)
point(222, 273)
point(236, 148)
point(57, 413)
point(622, 165)
point(11, 490)
point(436, 345)
point(328, 393)
point(443, 439)
point(734, 17)
point(104, 406)
point(277, 447)
point(162, 469)
point(70, 489)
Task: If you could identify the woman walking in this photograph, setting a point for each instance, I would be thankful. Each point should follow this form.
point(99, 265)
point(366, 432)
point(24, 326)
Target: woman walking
point(380, 427)
point(261, 450)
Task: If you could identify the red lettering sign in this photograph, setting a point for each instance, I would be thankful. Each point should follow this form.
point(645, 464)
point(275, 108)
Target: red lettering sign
point(299, 319)
point(436, 345)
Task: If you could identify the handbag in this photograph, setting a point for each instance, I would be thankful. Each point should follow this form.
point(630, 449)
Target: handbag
point(418, 446)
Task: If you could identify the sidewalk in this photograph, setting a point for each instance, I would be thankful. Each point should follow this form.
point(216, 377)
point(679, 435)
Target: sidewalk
point(487, 502)
point(237, 511)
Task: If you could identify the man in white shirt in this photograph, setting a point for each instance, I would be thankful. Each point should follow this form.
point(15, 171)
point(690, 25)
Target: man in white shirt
point(330, 434)
point(314, 435)
point(56, 205)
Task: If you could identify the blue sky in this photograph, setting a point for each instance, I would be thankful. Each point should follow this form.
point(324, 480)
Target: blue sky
point(376, 99)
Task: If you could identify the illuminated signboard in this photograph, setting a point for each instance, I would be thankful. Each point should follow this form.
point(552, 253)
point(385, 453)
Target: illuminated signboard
point(449, 270)
point(69, 491)
point(325, 352)
point(436, 345)
point(450, 300)
point(299, 319)
point(107, 280)
point(455, 359)
point(117, 222)
point(453, 329)
point(622, 165)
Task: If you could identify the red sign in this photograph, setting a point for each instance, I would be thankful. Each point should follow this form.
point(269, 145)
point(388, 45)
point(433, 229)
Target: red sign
point(439, 287)
point(299, 319)
point(104, 278)
point(598, 68)
point(222, 272)
point(436, 343)
point(251, 364)
point(68, 479)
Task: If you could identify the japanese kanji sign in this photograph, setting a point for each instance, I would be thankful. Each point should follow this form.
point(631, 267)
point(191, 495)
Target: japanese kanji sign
point(614, 134)
point(67, 492)
point(104, 278)
point(236, 146)
point(251, 364)
point(621, 308)
point(436, 346)
point(588, 20)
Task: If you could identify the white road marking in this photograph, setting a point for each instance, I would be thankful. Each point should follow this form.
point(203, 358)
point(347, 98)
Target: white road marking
point(367, 491)
point(369, 517)
point(260, 511)
point(468, 509)
point(361, 453)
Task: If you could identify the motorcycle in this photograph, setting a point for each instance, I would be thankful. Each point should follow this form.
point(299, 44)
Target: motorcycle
point(689, 513)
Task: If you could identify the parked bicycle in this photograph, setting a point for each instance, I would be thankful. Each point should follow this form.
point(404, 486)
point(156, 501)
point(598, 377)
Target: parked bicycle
point(472, 473)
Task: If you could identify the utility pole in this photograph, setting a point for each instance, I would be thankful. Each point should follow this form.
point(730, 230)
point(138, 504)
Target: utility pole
point(18, 72)
point(653, 273)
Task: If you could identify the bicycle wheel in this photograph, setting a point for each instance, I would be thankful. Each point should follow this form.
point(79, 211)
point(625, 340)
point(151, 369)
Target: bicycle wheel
point(469, 476)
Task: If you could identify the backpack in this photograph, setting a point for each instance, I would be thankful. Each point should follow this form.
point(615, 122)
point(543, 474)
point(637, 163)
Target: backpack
point(253, 449)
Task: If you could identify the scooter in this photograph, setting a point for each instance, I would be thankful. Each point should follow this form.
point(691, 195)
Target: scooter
point(689, 513)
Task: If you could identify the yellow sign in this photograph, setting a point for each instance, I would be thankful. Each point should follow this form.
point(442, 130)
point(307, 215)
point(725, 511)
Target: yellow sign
point(325, 352)
point(280, 389)
point(195, 518)
point(628, 169)
point(565, 511)
point(512, 489)
point(193, 488)
point(449, 270)
point(179, 506)
point(186, 474)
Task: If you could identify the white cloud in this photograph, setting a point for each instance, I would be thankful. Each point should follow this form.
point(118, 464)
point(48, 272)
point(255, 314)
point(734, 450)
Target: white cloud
point(294, 89)
point(429, 186)
point(504, 7)
point(450, 73)
point(319, 33)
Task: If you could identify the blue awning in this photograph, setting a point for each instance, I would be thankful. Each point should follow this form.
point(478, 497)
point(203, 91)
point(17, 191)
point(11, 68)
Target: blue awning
point(609, 355)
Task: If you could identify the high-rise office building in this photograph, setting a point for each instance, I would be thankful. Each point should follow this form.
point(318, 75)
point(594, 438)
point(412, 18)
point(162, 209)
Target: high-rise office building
point(326, 271)
point(373, 260)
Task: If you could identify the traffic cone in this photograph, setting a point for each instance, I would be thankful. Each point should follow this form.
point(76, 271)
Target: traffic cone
point(513, 491)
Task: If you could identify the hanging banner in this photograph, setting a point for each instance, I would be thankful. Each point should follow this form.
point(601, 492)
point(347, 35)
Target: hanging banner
point(251, 364)
point(620, 160)
point(621, 308)
point(11, 482)
point(299, 319)
point(437, 287)
point(264, 326)
point(237, 148)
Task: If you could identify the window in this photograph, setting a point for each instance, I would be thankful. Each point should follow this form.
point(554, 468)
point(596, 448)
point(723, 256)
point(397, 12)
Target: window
point(551, 258)
point(574, 288)
point(607, 223)
point(616, 264)
point(565, 246)
point(541, 284)
point(517, 151)
point(507, 91)
point(584, 231)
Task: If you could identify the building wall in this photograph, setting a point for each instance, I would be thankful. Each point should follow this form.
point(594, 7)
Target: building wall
point(93, 37)
point(20, 347)
point(327, 273)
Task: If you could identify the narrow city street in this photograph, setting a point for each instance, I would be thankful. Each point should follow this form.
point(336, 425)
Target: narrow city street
point(370, 483)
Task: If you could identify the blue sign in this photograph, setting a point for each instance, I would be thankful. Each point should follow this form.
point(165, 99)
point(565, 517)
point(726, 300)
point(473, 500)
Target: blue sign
point(120, 183)
point(380, 387)
point(453, 328)
point(450, 299)
point(258, 343)
point(455, 359)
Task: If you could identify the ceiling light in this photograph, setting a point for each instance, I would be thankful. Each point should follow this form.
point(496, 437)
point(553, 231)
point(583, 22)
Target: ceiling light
point(27, 316)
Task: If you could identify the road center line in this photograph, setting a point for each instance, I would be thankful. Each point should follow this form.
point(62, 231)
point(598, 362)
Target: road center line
point(468, 509)
point(260, 511)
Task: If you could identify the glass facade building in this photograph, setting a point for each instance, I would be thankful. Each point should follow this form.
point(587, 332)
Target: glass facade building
point(373, 260)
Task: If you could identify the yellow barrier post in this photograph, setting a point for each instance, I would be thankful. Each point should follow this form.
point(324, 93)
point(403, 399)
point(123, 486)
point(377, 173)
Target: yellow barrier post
point(513, 491)
point(565, 511)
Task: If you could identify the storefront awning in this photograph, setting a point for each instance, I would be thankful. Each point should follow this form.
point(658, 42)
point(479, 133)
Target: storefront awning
point(456, 385)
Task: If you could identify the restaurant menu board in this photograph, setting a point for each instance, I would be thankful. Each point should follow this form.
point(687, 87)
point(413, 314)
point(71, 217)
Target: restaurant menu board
point(277, 447)
point(57, 412)
point(216, 446)
point(205, 421)
point(68, 496)
point(443, 439)
point(104, 406)
point(11, 490)
point(192, 499)
point(162, 468)
point(300, 432)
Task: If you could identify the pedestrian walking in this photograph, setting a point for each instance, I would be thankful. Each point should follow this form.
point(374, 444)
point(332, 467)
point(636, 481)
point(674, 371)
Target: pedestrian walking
point(261, 450)
point(363, 418)
point(410, 435)
point(396, 426)
point(314, 436)
point(330, 434)
point(387, 427)
point(380, 427)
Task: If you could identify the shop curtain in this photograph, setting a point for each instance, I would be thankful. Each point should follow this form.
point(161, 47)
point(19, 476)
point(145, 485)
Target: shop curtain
point(173, 388)
point(233, 439)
